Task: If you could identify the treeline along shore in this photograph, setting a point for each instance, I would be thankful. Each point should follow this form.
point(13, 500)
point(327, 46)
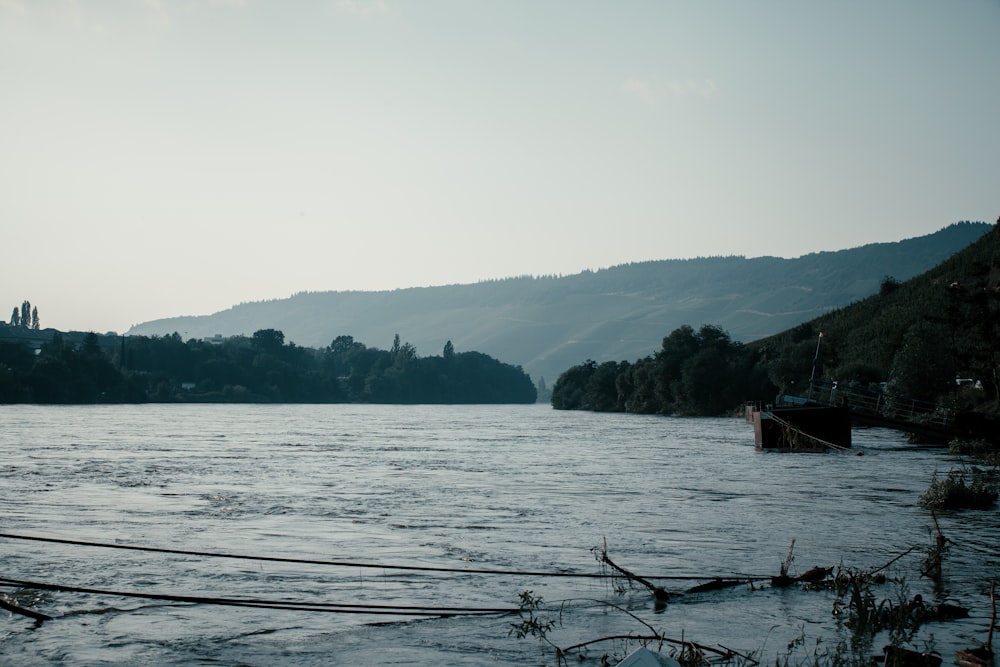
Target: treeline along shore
point(46, 366)
point(934, 339)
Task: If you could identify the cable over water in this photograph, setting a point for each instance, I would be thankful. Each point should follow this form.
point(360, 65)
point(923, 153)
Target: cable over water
point(426, 510)
point(339, 563)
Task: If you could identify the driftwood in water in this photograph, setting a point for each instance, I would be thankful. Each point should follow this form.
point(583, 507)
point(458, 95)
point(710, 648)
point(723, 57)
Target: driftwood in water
point(814, 575)
point(935, 557)
point(659, 594)
point(974, 657)
point(993, 615)
point(981, 656)
point(783, 580)
point(662, 596)
point(896, 656)
point(938, 612)
point(810, 576)
point(24, 612)
point(715, 585)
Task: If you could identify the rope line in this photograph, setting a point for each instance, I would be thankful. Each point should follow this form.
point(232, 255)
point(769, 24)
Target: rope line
point(336, 563)
point(811, 437)
point(329, 607)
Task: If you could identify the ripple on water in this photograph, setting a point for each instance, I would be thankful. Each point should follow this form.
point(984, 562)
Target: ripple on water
point(519, 488)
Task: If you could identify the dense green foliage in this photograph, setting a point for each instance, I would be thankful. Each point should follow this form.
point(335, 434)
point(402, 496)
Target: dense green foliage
point(964, 488)
point(912, 338)
point(262, 368)
point(917, 336)
point(694, 373)
point(549, 323)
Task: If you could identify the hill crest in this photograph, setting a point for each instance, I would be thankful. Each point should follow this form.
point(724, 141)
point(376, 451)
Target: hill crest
point(548, 323)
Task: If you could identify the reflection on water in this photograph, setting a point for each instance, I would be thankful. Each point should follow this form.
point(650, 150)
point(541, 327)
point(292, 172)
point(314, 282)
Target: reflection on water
point(519, 488)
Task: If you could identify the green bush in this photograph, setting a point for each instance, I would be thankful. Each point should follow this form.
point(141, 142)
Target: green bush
point(965, 488)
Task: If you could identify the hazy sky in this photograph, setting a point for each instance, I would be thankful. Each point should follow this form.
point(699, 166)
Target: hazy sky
point(177, 157)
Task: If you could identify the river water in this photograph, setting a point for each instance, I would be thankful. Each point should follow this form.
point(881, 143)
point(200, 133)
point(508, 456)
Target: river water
point(517, 489)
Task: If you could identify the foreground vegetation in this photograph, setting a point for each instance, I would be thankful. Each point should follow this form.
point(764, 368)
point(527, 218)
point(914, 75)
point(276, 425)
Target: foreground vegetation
point(261, 368)
point(879, 626)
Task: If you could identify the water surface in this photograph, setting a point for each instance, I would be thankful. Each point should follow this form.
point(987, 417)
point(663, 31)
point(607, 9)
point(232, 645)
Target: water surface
point(513, 488)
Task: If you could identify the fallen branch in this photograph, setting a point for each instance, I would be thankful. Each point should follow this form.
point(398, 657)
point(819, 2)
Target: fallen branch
point(879, 569)
point(813, 575)
point(783, 579)
point(981, 656)
point(935, 556)
point(716, 584)
point(659, 594)
point(993, 616)
point(39, 617)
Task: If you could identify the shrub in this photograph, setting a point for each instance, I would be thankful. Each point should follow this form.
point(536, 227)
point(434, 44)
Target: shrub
point(965, 488)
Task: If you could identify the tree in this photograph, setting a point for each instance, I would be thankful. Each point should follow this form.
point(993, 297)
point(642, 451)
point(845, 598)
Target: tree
point(395, 347)
point(602, 389)
point(639, 387)
point(703, 387)
point(449, 350)
point(35, 324)
point(26, 314)
point(257, 369)
point(680, 345)
point(343, 344)
point(699, 373)
point(402, 353)
point(91, 344)
point(888, 286)
point(791, 367)
point(15, 317)
point(569, 391)
point(269, 340)
point(924, 367)
point(858, 373)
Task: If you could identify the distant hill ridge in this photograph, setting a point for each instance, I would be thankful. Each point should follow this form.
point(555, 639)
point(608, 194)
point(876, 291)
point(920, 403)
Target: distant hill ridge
point(954, 303)
point(548, 324)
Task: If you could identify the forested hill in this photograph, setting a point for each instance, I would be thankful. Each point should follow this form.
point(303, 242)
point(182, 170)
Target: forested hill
point(547, 324)
point(920, 335)
point(934, 338)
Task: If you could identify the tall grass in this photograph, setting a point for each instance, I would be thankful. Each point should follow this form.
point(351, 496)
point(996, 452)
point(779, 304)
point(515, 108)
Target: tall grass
point(962, 488)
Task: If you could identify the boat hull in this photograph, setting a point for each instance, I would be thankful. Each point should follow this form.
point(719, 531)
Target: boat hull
point(802, 428)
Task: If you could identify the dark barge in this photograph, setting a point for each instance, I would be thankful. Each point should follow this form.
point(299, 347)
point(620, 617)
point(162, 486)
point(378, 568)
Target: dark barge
point(798, 425)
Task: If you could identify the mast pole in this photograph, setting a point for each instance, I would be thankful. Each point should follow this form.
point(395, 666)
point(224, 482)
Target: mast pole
point(812, 375)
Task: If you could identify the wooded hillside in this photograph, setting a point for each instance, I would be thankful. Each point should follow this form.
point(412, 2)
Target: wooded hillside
point(547, 324)
point(935, 338)
point(919, 335)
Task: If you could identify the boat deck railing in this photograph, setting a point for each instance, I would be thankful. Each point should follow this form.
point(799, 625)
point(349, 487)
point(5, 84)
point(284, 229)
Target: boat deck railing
point(882, 406)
